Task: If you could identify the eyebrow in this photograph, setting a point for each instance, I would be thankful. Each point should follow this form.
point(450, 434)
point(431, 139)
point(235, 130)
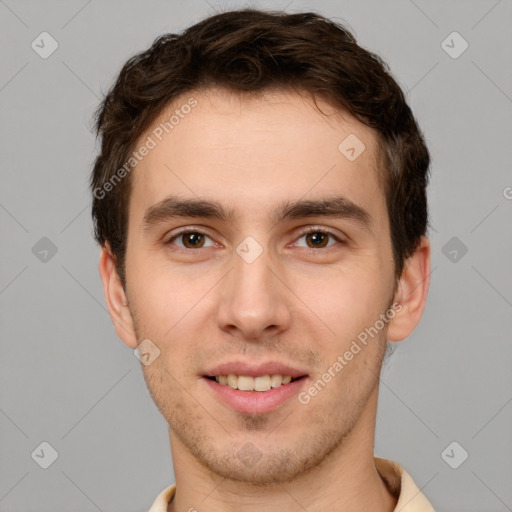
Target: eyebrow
point(173, 207)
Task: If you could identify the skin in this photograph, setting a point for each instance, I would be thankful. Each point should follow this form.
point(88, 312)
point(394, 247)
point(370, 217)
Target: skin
point(296, 303)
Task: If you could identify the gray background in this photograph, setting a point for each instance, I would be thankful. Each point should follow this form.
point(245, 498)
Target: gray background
point(68, 380)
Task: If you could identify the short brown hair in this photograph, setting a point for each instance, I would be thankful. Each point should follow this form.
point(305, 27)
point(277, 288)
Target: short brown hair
point(251, 51)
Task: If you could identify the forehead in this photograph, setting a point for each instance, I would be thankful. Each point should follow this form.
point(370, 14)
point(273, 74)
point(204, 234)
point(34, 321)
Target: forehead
point(253, 152)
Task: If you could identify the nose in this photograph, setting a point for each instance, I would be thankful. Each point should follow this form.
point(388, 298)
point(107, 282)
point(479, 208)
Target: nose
point(255, 302)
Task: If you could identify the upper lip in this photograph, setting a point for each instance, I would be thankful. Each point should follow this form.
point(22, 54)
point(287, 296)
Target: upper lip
point(254, 370)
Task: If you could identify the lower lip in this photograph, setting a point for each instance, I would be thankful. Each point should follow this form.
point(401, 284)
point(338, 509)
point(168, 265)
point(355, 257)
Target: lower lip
point(255, 402)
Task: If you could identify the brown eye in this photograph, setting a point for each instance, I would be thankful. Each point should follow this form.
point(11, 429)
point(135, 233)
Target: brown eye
point(317, 239)
point(191, 239)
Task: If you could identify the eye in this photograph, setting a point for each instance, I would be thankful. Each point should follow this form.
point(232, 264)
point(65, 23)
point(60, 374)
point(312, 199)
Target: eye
point(316, 238)
point(191, 239)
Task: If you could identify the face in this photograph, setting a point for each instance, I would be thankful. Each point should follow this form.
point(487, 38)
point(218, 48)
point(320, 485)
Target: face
point(251, 277)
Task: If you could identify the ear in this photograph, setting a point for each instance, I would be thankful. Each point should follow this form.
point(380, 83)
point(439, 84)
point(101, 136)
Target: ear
point(411, 293)
point(115, 297)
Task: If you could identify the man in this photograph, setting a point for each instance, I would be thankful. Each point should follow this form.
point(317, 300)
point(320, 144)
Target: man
point(260, 200)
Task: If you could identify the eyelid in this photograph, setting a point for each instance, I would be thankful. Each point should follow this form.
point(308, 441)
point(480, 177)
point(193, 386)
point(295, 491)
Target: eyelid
point(322, 229)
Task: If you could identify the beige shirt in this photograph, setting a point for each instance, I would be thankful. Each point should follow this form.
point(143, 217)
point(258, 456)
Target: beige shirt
point(398, 481)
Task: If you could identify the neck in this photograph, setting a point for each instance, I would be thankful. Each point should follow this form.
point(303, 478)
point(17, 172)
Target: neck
point(346, 479)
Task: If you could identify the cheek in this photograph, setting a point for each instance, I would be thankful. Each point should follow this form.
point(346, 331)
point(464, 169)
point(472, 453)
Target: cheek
point(163, 296)
point(346, 300)
point(170, 309)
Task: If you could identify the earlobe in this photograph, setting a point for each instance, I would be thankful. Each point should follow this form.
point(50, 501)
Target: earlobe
point(411, 293)
point(115, 298)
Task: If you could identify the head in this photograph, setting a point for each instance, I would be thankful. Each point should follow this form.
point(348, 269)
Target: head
point(258, 125)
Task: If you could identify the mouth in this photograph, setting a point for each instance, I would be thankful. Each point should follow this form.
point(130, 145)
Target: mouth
point(260, 383)
point(252, 390)
point(252, 387)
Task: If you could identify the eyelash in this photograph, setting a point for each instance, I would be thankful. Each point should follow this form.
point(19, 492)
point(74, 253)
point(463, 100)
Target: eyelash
point(312, 229)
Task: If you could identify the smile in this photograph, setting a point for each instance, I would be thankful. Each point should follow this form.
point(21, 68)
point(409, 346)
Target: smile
point(247, 383)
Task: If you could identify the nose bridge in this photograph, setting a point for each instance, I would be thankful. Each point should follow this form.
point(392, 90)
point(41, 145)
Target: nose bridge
point(252, 277)
point(253, 297)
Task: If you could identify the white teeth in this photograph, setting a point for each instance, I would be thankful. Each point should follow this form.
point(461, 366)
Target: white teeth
point(248, 383)
point(245, 383)
point(277, 380)
point(262, 383)
point(232, 381)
